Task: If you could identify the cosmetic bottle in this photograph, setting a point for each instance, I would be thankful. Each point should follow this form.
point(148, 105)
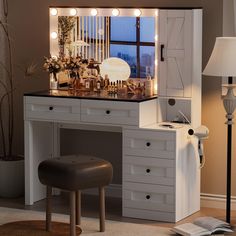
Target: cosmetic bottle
point(148, 86)
point(109, 88)
point(87, 84)
point(98, 85)
point(106, 82)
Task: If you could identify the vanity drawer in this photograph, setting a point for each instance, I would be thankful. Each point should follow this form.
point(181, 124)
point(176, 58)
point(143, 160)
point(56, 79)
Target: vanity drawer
point(159, 144)
point(148, 170)
point(52, 109)
point(148, 197)
point(109, 112)
point(118, 113)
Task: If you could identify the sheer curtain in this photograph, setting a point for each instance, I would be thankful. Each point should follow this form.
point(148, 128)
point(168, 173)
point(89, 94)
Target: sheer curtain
point(95, 32)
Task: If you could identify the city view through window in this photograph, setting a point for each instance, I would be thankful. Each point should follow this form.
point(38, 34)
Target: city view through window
point(133, 40)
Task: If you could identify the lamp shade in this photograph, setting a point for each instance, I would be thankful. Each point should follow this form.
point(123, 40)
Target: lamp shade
point(223, 58)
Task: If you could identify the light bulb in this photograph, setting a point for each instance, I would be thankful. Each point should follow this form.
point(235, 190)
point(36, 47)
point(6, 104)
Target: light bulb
point(137, 12)
point(115, 12)
point(156, 12)
point(94, 12)
point(156, 37)
point(54, 35)
point(73, 12)
point(156, 62)
point(53, 11)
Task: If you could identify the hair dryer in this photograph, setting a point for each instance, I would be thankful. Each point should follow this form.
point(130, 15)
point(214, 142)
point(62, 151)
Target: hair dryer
point(202, 132)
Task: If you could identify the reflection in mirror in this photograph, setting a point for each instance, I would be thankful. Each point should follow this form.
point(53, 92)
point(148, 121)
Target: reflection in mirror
point(85, 36)
point(115, 68)
point(119, 33)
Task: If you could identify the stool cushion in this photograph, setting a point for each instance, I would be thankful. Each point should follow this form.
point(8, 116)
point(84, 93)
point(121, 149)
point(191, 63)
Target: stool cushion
point(75, 172)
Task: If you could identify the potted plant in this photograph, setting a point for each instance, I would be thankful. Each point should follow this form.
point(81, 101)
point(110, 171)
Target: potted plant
point(11, 165)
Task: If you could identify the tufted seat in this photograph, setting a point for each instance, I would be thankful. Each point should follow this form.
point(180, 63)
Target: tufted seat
point(74, 173)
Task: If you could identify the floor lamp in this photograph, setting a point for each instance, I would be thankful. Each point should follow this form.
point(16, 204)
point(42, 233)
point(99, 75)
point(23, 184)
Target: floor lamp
point(223, 63)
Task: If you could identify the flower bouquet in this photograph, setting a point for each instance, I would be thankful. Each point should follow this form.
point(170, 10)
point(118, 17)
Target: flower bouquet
point(53, 65)
point(72, 65)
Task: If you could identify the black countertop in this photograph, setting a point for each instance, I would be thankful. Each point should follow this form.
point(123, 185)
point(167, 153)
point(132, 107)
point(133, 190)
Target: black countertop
point(90, 95)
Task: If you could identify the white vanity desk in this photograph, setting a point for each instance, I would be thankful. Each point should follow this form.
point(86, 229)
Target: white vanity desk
point(161, 178)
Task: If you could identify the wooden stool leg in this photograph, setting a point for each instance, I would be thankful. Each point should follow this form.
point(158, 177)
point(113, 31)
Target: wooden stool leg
point(78, 207)
point(48, 208)
point(102, 208)
point(72, 214)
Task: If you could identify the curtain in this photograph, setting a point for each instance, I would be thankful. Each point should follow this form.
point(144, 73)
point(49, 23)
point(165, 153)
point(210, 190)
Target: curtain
point(94, 31)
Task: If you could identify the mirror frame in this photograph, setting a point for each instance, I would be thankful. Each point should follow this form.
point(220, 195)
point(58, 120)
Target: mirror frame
point(54, 12)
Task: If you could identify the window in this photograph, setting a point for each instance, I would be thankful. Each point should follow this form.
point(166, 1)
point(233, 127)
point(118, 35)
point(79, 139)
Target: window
point(133, 40)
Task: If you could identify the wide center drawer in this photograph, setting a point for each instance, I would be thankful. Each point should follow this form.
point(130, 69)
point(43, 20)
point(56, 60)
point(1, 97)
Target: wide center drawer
point(110, 112)
point(52, 109)
point(159, 144)
point(148, 170)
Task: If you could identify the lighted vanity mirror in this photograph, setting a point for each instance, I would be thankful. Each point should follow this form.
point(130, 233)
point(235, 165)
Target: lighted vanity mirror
point(101, 33)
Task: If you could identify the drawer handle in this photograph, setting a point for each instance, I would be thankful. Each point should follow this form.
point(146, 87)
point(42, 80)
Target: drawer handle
point(108, 112)
point(148, 144)
point(162, 52)
point(148, 170)
point(51, 108)
point(148, 197)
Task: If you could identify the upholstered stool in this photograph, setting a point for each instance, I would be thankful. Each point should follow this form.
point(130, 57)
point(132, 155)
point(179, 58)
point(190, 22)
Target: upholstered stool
point(74, 173)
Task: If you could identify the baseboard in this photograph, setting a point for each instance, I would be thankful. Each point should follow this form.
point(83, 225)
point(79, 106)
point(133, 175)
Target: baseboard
point(216, 201)
point(207, 200)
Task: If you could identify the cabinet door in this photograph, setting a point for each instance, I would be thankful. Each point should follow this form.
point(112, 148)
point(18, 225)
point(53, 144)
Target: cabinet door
point(175, 60)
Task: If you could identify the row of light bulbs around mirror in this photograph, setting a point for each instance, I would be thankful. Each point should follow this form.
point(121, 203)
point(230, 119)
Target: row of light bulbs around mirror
point(94, 12)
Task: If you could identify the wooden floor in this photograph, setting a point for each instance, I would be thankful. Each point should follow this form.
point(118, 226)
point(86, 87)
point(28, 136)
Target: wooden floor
point(113, 209)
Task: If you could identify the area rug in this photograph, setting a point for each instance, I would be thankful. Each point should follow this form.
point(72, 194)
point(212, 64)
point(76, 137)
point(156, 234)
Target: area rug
point(89, 226)
point(35, 228)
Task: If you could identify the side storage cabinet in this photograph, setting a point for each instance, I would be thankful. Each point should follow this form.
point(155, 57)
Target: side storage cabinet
point(160, 174)
point(180, 40)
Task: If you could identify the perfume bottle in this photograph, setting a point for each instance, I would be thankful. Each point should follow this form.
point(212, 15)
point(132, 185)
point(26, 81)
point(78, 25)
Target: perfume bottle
point(102, 82)
point(109, 88)
point(149, 86)
point(98, 85)
point(106, 82)
point(112, 87)
point(87, 84)
point(116, 87)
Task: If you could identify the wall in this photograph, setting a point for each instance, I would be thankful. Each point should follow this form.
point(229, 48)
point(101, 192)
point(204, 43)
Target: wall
point(228, 17)
point(30, 26)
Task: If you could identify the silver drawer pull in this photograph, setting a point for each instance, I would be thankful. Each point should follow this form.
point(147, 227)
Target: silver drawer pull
point(148, 197)
point(148, 170)
point(50, 108)
point(108, 112)
point(148, 144)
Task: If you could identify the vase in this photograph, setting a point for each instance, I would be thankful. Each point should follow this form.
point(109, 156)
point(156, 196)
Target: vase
point(53, 81)
point(11, 178)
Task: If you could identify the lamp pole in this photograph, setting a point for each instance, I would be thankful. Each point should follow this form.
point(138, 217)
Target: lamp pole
point(229, 105)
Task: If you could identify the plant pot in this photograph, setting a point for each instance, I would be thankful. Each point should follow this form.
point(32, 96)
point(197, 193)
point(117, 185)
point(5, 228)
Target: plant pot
point(11, 178)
